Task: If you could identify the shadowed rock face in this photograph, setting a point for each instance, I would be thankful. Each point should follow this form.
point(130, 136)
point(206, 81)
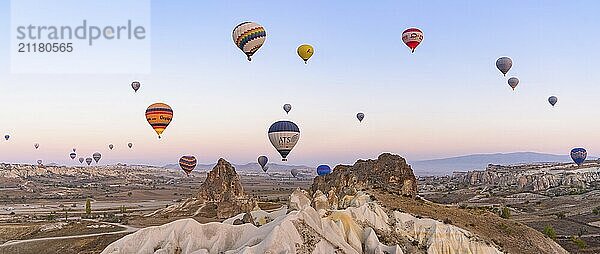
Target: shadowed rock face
point(389, 172)
point(222, 184)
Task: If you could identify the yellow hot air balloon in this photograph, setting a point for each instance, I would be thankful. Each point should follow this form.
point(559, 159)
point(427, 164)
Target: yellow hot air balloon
point(305, 51)
point(159, 115)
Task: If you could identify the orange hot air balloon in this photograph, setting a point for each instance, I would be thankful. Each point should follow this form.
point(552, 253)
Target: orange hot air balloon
point(159, 115)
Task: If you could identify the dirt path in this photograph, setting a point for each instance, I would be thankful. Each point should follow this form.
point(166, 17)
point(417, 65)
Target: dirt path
point(127, 229)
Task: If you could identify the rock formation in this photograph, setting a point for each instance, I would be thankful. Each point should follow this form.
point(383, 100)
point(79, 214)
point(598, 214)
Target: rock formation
point(388, 172)
point(220, 196)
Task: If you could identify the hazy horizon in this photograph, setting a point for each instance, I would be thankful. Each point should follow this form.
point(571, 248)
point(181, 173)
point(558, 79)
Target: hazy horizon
point(447, 99)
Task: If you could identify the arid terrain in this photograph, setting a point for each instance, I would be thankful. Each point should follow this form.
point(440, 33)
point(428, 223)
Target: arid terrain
point(43, 210)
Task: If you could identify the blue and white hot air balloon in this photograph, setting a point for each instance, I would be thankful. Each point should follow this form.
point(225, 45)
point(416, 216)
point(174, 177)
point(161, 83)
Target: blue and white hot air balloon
point(323, 170)
point(283, 136)
point(578, 155)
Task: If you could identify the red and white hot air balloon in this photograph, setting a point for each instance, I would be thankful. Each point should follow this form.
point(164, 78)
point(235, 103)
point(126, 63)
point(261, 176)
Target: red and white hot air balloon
point(412, 37)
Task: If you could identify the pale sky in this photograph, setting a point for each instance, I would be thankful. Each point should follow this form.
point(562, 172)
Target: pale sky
point(446, 99)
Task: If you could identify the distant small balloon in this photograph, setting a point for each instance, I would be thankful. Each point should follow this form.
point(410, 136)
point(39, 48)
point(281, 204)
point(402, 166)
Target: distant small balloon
point(294, 172)
point(552, 100)
point(130, 145)
point(6, 136)
point(39, 162)
point(81, 160)
point(96, 156)
point(578, 155)
point(262, 161)
point(36, 145)
point(504, 64)
point(110, 146)
point(287, 108)
point(74, 150)
point(72, 155)
point(412, 37)
point(323, 170)
point(88, 160)
point(305, 51)
point(513, 82)
point(187, 163)
point(135, 85)
point(360, 116)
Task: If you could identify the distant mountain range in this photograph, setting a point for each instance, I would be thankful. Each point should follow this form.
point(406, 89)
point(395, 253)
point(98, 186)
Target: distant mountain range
point(273, 167)
point(479, 161)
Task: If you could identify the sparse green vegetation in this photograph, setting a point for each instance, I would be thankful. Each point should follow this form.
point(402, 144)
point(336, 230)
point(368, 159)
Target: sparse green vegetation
point(88, 207)
point(505, 213)
point(581, 244)
point(550, 232)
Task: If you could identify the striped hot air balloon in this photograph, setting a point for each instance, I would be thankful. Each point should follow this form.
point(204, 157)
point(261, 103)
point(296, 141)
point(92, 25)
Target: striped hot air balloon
point(283, 136)
point(187, 163)
point(88, 160)
point(159, 115)
point(72, 155)
point(249, 37)
point(96, 156)
point(412, 37)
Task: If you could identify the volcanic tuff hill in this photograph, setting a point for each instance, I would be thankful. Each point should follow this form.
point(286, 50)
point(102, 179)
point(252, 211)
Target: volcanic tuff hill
point(356, 209)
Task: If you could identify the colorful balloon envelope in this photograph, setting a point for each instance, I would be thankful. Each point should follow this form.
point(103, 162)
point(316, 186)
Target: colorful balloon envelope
point(187, 163)
point(305, 51)
point(323, 170)
point(513, 82)
point(262, 161)
point(412, 37)
point(135, 85)
point(360, 116)
point(249, 37)
point(88, 161)
point(504, 64)
point(552, 100)
point(81, 160)
point(578, 155)
point(96, 156)
point(283, 136)
point(287, 108)
point(72, 155)
point(159, 115)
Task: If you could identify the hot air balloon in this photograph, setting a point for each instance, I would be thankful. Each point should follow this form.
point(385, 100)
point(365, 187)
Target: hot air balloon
point(74, 150)
point(578, 155)
point(283, 136)
point(249, 37)
point(323, 170)
point(262, 161)
point(294, 172)
point(81, 160)
point(360, 116)
point(187, 163)
point(96, 156)
point(72, 155)
point(412, 37)
point(504, 64)
point(36, 145)
point(135, 85)
point(305, 51)
point(88, 160)
point(130, 145)
point(6, 136)
point(110, 146)
point(159, 115)
point(287, 108)
point(39, 162)
point(552, 100)
point(513, 82)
